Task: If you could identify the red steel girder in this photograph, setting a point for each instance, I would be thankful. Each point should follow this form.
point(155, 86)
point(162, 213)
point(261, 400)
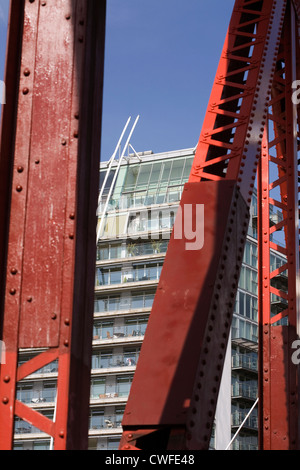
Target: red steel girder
point(278, 172)
point(50, 147)
point(175, 387)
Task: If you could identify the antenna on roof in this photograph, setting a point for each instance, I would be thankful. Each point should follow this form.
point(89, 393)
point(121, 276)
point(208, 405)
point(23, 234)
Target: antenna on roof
point(100, 227)
point(111, 160)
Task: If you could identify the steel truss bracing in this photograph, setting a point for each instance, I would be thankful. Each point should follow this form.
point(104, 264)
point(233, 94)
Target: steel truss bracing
point(279, 285)
point(175, 388)
point(49, 161)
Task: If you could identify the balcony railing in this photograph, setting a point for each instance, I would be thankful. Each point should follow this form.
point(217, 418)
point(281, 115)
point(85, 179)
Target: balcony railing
point(134, 302)
point(244, 390)
point(22, 427)
point(105, 422)
point(238, 417)
point(241, 445)
point(111, 333)
point(110, 392)
point(100, 361)
point(244, 361)
point(31, 396)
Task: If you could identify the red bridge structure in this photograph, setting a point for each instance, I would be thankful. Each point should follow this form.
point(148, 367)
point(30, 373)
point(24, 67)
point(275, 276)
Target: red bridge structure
point(49, 161)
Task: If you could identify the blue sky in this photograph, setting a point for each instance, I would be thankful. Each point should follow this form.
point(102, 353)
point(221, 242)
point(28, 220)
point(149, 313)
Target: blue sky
point(160, 60)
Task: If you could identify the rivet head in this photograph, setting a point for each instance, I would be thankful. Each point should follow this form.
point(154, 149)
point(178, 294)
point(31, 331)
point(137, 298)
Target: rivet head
point(26, 72)
point(5, 400)
point(53, 316)
point(6, 379)
point(61, 434)
point(13, 271)
point(19, 188)
point(66, 342)
point(20, 169)
point(12, 291)
point(25, 91)
point(72, 216)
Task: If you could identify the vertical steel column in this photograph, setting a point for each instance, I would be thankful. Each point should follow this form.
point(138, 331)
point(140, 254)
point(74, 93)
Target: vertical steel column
point(278, 373)
point(54, 156)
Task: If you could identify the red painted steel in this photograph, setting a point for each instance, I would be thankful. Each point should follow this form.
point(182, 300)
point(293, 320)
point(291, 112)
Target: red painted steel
point(48, 303)
point(279, 389)
point(164, 395)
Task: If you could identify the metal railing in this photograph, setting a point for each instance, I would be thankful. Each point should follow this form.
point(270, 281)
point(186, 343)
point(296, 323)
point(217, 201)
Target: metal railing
point(244, 361)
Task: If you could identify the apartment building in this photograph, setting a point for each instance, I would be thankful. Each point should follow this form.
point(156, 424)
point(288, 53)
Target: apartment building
point(139, 199)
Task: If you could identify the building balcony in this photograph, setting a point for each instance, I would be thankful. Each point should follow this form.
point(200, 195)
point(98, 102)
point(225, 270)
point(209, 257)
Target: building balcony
point(128, 283)
point(242, 444)
point(238, 417)
point(244, 391)
point(105, 364)
point(108, 334)
point(102, 425)
point(244, 362)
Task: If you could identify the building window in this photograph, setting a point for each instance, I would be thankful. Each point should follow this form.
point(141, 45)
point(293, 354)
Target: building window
point(136, 326)
point(108, 276)
point(146, 272)
point(123, 385)
point(49, 391)
point(107, 304)
point(109, 251)
point(131, 356)
point(103, 329)
point(25, 392)
point(96, 419)
point(113, 443)
point(98, 387)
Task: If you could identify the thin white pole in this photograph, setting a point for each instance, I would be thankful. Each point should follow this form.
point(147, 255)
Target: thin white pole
point(112, 160)
point(114, 179)
point(240, 427)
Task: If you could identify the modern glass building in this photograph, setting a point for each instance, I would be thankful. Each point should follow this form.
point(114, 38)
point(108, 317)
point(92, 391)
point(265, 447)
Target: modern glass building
point(137, 208)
